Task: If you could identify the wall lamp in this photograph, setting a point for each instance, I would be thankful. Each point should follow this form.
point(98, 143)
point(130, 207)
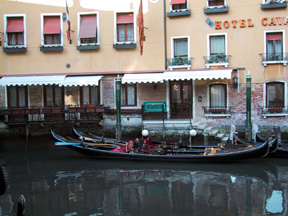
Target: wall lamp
point(235, 81)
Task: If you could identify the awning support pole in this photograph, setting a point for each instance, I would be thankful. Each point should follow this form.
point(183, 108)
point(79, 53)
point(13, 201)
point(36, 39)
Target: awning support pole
point(118, 108)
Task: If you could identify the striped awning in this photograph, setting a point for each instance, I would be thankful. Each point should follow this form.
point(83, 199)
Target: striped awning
point(198, 74)
point(82, 81)
point(143, 78)
point(32, 80)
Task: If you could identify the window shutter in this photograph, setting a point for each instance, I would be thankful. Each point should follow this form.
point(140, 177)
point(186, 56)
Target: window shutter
point(15, 24)
point(52, 25)
point(88, 26)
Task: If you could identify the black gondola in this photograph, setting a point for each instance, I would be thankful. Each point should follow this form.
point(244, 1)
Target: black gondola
point(204, 154)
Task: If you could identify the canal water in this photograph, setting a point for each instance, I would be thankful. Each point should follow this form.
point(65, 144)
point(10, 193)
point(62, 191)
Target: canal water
point(57, 181)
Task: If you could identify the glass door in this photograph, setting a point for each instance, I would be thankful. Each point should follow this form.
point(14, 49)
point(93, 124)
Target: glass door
point(181, 99)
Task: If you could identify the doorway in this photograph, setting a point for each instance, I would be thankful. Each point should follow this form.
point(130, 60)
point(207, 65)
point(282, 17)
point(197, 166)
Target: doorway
point(181, 99)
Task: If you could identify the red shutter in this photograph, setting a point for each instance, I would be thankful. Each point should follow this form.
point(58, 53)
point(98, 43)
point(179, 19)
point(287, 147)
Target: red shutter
point(125, 18)
point(274, 36)
point(178, 2)
point(52, 25)
point(88, 26)
point(15, 24)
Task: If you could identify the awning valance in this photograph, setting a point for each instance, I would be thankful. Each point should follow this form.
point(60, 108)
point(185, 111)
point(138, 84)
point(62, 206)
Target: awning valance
point(198, 75)
point(143, 78)
point(82, 81)
point(32, 80)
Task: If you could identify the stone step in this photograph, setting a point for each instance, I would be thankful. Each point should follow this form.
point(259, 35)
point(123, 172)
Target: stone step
point(213, 132)
point(220, 135)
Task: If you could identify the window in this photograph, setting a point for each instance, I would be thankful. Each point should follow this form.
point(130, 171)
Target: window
point(15, 33)
point(53, 95)
point(274, 46)
point(275, 95)
point(90, 95)
point(218, 95)
point(125, 27)
point(213, 3)
point(217, 52)
point(179, 4)
point(17, 96)
point(128, 95)
point(180, 47)
point(88, 29)
point(52, 30)
point(217, 45)
point(180, 52)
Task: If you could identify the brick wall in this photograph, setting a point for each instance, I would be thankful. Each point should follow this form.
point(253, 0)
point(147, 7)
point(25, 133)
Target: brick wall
point(2, 96)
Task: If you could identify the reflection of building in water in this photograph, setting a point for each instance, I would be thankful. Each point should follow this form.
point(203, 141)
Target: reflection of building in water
point(163, 192)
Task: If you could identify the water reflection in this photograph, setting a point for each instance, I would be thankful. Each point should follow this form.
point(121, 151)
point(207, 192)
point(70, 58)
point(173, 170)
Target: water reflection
point(61, 182)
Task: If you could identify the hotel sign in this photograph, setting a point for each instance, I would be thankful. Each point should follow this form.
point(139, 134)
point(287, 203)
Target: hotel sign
point(243, 23)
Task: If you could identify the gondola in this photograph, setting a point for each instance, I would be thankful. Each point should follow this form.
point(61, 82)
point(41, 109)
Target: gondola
point(204, 154)
point(277, 149)
point(89, 137)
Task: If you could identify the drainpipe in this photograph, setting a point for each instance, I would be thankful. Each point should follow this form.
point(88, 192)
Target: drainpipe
point(118, 108)
point(165, 34)
point(248, 107)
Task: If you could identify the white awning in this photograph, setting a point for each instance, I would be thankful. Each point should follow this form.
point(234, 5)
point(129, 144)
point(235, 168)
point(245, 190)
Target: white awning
point(82, 81)
point(143, 78)
point(198, 74)
point(32, 80)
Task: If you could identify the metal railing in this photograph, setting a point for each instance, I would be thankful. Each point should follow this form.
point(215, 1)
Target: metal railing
point(217, 59)
point(180, 61)
point(217, 109)
point(274, 57)
point(57, 113)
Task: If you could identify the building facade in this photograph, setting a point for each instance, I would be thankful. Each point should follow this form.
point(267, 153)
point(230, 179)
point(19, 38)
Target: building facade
point(196, 57)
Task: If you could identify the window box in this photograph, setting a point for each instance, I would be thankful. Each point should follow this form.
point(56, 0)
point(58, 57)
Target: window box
point(273, 5)
point(88, 47)
point(176, 13)
point(124, 46)
point(221, 9)
point(51, 49)
point(215, 110)
point(15, 50)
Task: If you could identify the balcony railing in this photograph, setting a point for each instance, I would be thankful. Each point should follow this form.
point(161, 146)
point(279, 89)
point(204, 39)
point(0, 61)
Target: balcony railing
point(274, 58)
point(46, 114)
point(179, 62)
point(215, 60)
point(221, 111)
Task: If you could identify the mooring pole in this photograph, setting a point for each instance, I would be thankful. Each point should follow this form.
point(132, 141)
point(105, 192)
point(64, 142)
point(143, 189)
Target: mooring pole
point(118, 108)
point(248, 107)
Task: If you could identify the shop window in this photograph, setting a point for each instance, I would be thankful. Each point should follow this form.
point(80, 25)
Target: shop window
point(275, 96)
point(17, 96)
point(53, 96)
point(128, 95)
point(90, 95)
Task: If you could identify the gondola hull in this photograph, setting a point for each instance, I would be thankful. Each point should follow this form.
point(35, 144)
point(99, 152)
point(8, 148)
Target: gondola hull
point(237, 153)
